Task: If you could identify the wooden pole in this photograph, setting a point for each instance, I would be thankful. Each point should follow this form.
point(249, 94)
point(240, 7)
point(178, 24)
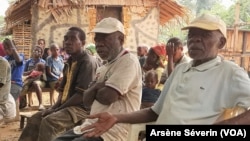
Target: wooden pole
point(236, 28)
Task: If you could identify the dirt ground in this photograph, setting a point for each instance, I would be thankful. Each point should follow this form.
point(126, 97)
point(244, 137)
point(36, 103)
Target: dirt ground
point(11, 131)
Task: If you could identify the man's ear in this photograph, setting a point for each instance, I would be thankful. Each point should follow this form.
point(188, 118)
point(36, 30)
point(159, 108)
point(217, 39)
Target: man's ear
point(181, 48)
point(121, 38)
point(83, 43)
point(223, 41)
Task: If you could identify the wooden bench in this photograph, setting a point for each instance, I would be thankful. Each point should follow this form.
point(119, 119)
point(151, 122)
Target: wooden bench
point(44, 90)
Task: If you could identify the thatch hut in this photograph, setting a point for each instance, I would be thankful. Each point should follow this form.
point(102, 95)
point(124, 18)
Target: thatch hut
point(30, 20)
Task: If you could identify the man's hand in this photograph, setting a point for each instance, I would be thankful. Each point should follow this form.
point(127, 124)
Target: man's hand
point(104, 123)
point(171, 49)
point(98, 85)
point(8, 44)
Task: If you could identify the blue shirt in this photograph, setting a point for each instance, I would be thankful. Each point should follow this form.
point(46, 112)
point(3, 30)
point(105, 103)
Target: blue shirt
point(31, 63)
point(56, 66)
point(16, 69)
point(150, 95)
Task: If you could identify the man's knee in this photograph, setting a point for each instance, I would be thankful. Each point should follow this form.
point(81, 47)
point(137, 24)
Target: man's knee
point(47, 121)
point(35, 119)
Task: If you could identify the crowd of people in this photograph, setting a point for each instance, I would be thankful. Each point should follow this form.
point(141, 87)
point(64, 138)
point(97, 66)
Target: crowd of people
point(196, 92)
point(104, 88)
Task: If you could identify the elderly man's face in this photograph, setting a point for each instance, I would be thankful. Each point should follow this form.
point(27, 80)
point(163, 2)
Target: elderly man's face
point(203, 45)
point(108, 46)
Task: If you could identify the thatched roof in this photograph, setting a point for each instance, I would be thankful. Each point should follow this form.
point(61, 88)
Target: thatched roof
point(19, 11)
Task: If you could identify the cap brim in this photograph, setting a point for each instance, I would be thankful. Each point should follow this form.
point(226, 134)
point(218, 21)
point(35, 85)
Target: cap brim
point(204, 26)
point(102, 30)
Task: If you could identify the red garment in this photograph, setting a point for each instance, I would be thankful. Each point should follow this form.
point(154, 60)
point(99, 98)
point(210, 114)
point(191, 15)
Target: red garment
point(2, 53)
point(160, 50)
point(35, 73)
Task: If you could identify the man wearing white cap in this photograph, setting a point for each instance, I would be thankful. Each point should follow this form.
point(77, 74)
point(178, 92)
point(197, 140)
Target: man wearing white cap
point(196, 92)
point(118, 84)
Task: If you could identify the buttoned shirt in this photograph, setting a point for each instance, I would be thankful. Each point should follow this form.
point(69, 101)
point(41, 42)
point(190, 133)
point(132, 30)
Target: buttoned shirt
point(199, 95)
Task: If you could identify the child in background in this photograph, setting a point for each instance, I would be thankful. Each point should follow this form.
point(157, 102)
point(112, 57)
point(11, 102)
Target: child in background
point(31, 76)
point(156, 60)
point(54, 68)
point(149, 92)
point(142, 51)
point(64, 55)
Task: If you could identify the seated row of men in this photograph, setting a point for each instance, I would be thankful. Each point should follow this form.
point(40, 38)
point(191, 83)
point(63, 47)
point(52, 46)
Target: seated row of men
point(115, 88)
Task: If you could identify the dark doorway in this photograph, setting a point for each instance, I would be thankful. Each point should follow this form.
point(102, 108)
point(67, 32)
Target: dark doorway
point(104, 12)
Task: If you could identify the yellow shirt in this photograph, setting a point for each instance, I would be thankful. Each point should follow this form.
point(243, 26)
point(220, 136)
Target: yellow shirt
point(69, 78)
point(159, 72)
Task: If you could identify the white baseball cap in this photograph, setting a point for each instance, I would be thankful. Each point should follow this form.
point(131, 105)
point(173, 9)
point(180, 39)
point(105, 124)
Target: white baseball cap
point(109, 25)
point(208, 22)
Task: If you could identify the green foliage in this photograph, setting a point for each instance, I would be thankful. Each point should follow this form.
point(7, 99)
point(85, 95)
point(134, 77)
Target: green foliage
point(216, 7)
point(11, 1)
point(244, 13)
point(1, 19)
point(1, 25)
point(204, 5)
point(171, 30)
point(223, 12)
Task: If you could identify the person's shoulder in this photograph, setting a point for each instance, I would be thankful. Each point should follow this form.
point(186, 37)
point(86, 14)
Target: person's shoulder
point(3, 60)
point(158, 90)
point(231, 66)
point(42, 60)
point(61, 58)
point(84, 56)
point(6, 57)
point(186, 59)
point(89, 58)
point(49, 57)
point(29, 60)
point(229, 63)
point(183, 66)
point(4, 64)
point(86, 59)
point(130, 57)
point(21, 54)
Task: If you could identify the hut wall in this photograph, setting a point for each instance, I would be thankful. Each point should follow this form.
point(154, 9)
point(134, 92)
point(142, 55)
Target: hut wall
point(239, 52)
point(44, 25)
point(143, 28)
point(141, 25)
point(21, 37)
